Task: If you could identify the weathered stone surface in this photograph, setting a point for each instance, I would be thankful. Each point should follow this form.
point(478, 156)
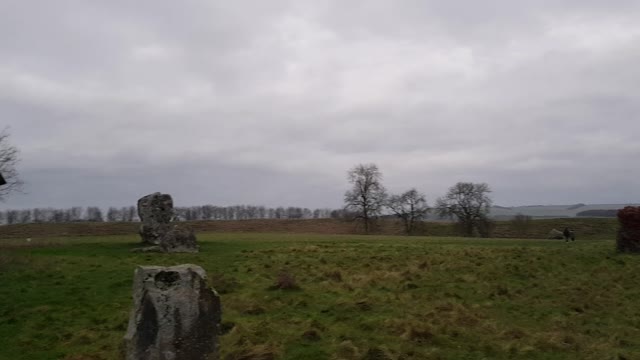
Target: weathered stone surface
point(555, 234)
point(175, 315)
point(179, 239)
point(155, 212)
point(628, 239)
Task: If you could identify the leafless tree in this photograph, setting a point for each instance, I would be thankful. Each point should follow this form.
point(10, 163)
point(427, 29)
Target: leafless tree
point(94, 214)
point(13, 216)
point(8, 162)
point(25, 216)
point(411, 207)
point(113, 214)
point(367, 196)
point(469, 203)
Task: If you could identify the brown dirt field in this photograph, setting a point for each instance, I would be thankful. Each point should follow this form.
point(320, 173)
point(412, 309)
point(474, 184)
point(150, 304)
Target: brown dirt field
point(586, 228)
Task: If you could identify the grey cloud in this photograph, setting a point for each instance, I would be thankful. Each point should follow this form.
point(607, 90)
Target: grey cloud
point(271, 102)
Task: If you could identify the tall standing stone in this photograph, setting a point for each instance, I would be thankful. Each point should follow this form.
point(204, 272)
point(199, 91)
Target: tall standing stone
point(175, 316)
point(155, 212)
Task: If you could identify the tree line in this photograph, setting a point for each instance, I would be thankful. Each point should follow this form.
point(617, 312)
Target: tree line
point(191, 213)
point(465, 202)
point(367, 200)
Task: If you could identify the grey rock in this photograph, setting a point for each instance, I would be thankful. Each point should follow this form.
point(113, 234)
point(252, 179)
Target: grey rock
point(179, 239)
point(155, 212)
point(555, 234)
point(175, 316)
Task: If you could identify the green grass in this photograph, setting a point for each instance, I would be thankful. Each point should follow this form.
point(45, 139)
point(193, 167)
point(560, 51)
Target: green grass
point(359, 297)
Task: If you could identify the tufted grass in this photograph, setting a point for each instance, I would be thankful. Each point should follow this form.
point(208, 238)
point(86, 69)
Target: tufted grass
point(355, 297)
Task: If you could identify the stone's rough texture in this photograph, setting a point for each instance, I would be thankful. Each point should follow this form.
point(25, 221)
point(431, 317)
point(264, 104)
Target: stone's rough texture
point(628, 239)
point(175, 315)
point(555, 234)
point(155, 212)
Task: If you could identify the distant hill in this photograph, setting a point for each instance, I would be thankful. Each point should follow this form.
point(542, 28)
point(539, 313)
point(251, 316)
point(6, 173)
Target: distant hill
point(558, 211)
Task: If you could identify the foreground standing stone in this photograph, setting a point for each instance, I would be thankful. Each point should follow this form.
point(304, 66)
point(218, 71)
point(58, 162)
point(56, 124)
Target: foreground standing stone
point(175, 315)
point(156, 213)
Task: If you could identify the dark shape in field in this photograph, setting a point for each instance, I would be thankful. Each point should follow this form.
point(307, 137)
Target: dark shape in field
point(555, 235)
point(175, 315)
point(628, 239)
point(568, 234)
point(156, 213)
point(2, 180)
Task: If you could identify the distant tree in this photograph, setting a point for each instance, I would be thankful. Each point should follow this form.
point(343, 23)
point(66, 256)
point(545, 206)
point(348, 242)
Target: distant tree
point(367, 196)
point(469, 203)
point(294, 212)
point(94, 214)
point(280, 213)
point(76, 213)
point(207, 212)
point(271, 213)
point(113, 214)
point(132, 214)
point(8, 162)
point(12, 216)
point(338, 214)
point(251, 212)
point(25, 216)
point(411, 207)
point(38, 215)
point(57, 215)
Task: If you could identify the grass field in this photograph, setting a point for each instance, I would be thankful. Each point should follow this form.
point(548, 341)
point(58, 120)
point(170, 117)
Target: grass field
point(359, 297)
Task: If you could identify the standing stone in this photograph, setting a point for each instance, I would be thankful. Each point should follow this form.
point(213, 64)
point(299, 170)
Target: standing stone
point(155, 212)
point(175, 315)
point(628, 239)
point(179, 239)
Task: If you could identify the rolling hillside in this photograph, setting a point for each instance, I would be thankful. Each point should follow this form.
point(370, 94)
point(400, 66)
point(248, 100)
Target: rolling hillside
point(551, 211)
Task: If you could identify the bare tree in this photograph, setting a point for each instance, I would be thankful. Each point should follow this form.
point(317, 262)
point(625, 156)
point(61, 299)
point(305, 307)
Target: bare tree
point(367, 196)
point(469, 203)
point(13, 217)
point(8, 161)
point(25, 216)
point(411, 207)
point(94, 214)
point(113, 214)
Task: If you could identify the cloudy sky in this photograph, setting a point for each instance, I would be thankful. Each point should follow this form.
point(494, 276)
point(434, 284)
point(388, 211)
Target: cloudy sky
point(271, 102)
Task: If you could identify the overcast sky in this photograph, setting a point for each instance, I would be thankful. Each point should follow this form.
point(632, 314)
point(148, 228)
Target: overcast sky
point(271, 102)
